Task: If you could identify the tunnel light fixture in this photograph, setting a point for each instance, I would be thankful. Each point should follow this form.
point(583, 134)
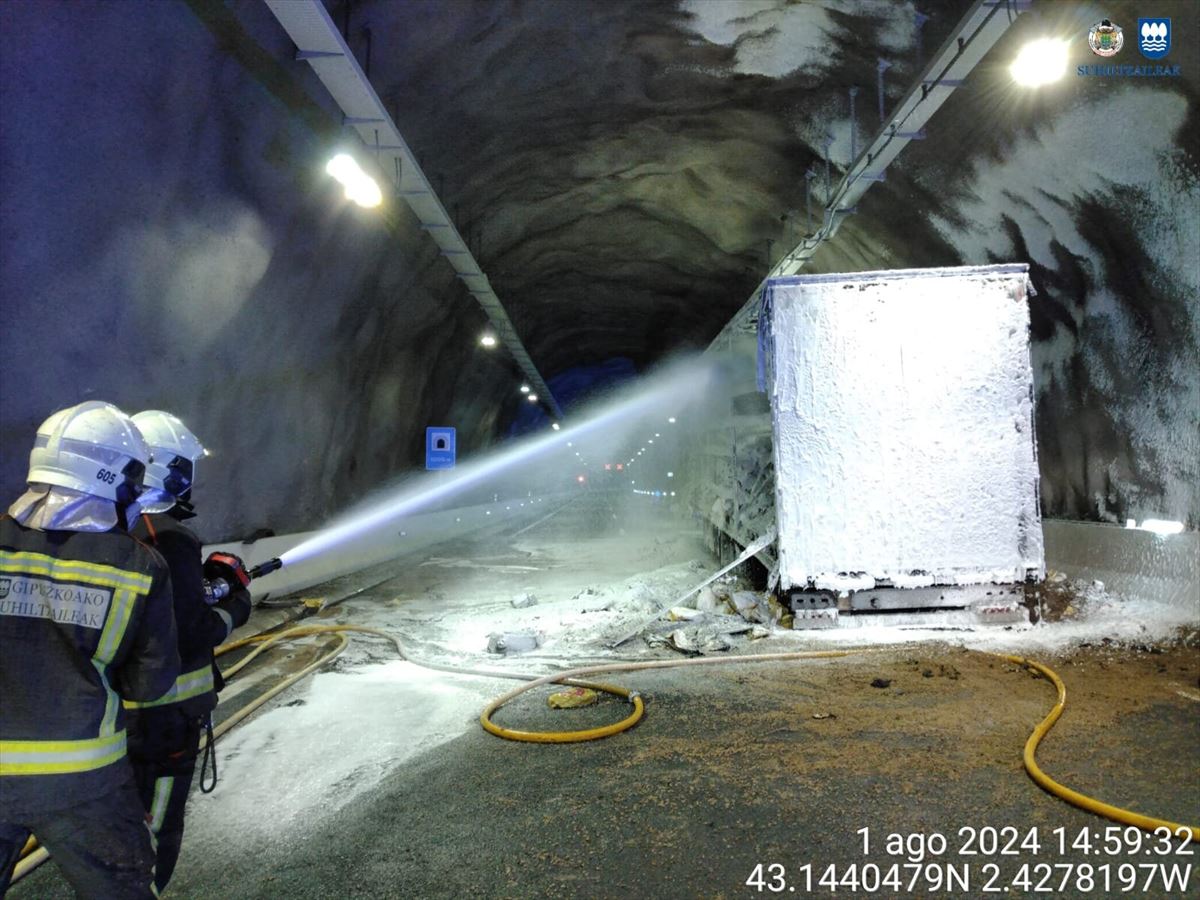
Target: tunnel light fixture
point(651, 441)
point(358, 185)
point(554, 425)
point(487, 339)
point(670, 474)
point(524, 389)
point(671, 420)
point(656, 434)
point(533, 398)
point(1040, 62)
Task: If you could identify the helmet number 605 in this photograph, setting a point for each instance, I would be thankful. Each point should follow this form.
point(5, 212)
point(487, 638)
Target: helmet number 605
point(106, 476)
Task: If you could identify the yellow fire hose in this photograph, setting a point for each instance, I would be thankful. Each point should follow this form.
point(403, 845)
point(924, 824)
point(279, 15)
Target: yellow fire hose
point(1124, 816)
point(591, 734)
point(30, 860)
point(33, 856)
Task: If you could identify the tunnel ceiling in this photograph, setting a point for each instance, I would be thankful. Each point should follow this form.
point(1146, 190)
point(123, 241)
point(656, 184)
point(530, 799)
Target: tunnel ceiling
point(629, 165)
point(629, 170)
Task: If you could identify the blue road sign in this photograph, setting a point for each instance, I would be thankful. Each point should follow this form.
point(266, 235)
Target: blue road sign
point(439, 448)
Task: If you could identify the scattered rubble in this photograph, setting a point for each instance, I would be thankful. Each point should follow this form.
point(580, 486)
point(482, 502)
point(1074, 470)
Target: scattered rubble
point(714, 614)
point(521, 601)
point(514, 642)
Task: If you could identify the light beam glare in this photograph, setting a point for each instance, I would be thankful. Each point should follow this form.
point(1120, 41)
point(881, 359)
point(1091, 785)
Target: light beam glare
point(675, 386)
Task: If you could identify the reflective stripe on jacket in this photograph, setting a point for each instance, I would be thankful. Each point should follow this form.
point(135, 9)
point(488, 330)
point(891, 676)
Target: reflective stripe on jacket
point(85, 620)
point(201, 626)
point(188, 685)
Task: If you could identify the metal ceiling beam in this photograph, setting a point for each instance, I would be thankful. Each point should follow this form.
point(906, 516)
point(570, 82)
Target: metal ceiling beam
point(976, 34)
point(320, 44)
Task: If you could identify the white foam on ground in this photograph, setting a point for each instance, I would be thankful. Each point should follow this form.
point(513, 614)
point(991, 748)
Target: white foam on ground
point(286, 769)
point(289, 767)
point(1103, 616)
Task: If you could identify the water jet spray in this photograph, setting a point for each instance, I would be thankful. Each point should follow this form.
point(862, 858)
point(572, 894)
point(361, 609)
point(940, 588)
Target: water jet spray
point(668, 390)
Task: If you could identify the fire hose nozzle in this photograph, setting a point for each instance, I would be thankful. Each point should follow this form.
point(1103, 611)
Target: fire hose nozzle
point(266, 568)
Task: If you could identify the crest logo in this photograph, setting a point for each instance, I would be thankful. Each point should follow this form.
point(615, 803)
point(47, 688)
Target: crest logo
point(1154, 37)
point(1106, 39)
point(5, 583)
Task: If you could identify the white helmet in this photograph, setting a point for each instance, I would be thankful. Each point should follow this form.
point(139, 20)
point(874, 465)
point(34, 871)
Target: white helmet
point(93, 448)
point(175, 449)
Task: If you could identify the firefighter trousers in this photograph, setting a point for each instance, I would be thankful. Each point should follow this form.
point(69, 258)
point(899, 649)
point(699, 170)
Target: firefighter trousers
point(163, 747)
point(102, 846)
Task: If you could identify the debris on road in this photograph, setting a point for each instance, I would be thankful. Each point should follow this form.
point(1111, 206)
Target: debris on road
point(514, 642)
point(572, 698)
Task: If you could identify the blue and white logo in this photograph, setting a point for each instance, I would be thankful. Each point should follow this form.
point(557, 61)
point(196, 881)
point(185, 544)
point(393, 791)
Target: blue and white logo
point(1154, 37)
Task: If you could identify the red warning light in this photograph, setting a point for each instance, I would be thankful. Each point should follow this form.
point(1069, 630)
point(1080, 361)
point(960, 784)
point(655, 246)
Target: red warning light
point(620, 466)
point(608, 467)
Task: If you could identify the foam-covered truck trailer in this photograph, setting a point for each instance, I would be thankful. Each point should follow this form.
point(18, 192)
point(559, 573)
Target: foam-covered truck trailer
point(905, 460)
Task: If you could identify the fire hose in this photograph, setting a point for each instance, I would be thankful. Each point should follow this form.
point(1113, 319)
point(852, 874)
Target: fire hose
point(31, 857)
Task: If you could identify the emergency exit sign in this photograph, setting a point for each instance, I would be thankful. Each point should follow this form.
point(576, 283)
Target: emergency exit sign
point(439, 448)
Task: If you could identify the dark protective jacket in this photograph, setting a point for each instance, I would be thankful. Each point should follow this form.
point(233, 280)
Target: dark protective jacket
point(85, 620)
point(200, 626)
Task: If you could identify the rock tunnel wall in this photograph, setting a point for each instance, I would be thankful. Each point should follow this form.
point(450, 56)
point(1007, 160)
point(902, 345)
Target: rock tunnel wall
point(170, 241)
point(168, 238)
point(1108, 217)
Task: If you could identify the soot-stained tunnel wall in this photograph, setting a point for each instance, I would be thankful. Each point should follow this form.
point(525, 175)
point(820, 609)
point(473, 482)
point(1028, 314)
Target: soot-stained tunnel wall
point(171, 241)
point(169, 238)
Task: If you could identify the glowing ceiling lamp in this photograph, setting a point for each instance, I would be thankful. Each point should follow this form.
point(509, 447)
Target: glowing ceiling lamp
point(554, 425)
point(487, 339)
point(1040, 62)
point(358, 185)
point(524, 389)
point(671, 420)
point(532, 398)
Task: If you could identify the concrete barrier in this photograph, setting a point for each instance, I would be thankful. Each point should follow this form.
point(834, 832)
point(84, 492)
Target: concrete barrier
point(1132, 563)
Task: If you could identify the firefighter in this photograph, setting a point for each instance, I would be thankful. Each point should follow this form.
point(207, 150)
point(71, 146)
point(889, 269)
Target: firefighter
point(85, 620)
point(164, 733)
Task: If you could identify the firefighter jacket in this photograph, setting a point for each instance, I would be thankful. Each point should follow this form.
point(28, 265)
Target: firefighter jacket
point(85, 620)
point(200, 626)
